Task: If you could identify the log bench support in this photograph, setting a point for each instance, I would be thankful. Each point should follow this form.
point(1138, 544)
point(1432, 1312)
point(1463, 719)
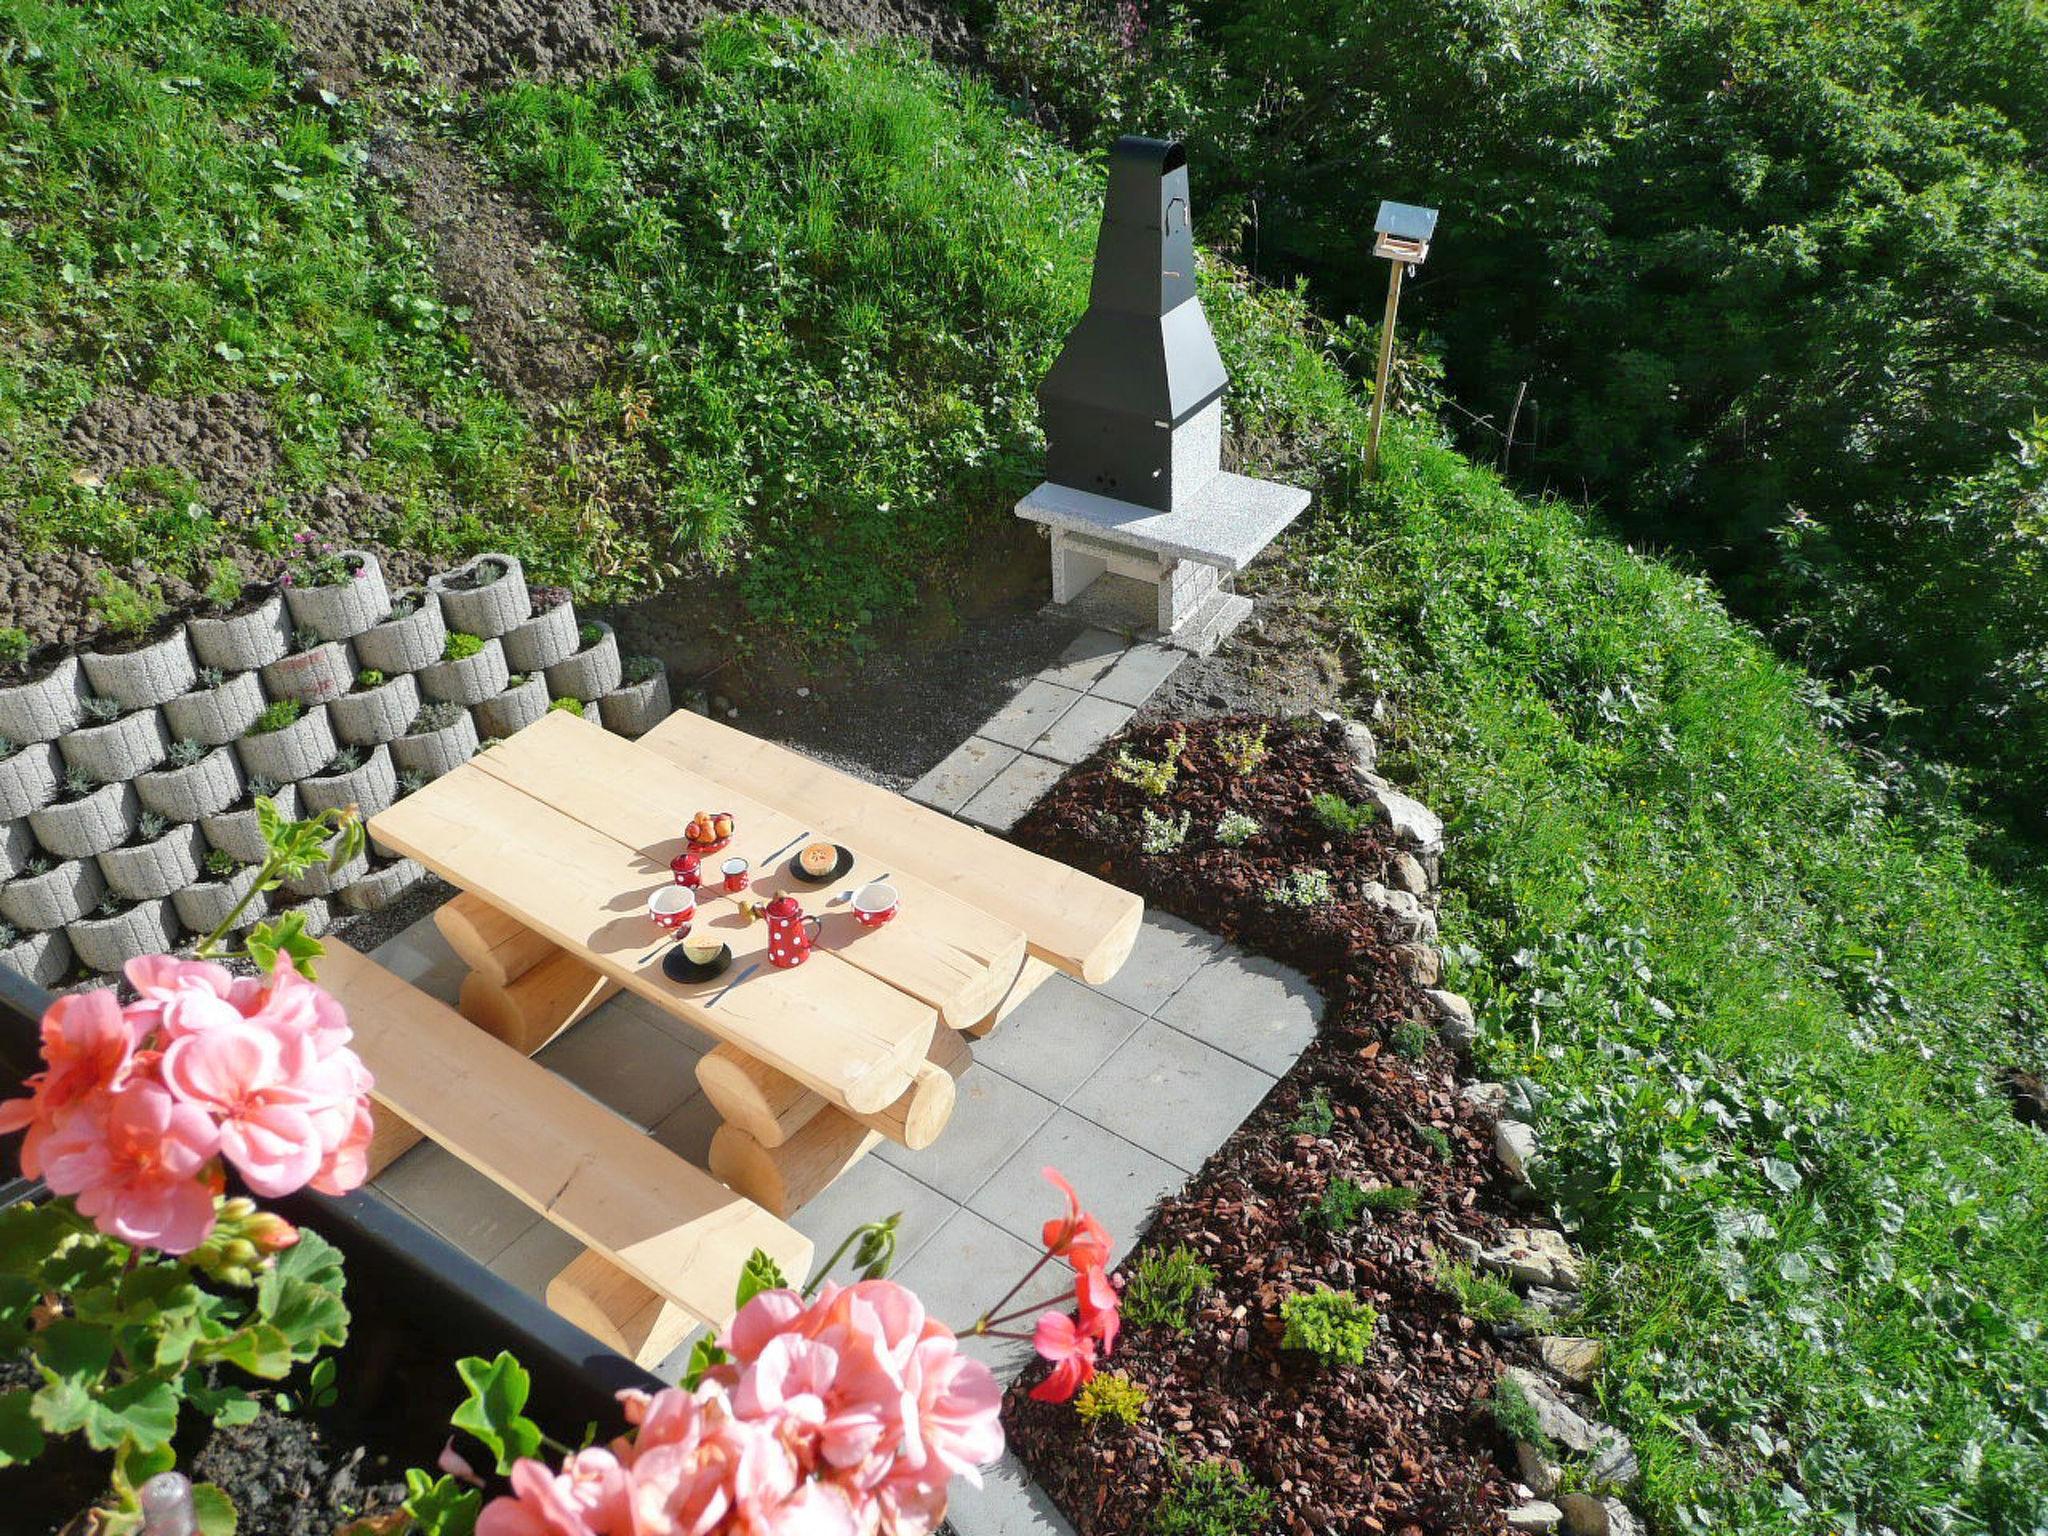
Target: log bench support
point(521, 988)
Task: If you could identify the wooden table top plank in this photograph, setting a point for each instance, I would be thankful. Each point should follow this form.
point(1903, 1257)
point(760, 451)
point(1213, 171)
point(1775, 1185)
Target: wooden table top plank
point(939, 949)
point(853, 1038)
point(665, 1221)
point(1082, 925)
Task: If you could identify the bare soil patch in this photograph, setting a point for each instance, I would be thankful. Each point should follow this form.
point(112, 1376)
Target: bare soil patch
point(1403, 1443)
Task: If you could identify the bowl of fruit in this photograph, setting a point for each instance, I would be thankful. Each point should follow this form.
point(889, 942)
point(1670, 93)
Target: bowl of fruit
point(709, 831)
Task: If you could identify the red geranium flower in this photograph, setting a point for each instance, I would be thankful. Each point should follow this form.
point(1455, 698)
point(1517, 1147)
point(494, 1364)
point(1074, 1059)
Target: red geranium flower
point(1072, 1353)
point(1076, 1237)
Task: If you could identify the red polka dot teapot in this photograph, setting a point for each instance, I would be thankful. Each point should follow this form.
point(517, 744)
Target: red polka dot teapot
point(789, 935)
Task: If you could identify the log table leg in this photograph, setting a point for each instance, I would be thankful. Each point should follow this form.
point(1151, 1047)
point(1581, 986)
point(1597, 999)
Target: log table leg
point(617, 1310)
point(521, 988)
point(1035, 974)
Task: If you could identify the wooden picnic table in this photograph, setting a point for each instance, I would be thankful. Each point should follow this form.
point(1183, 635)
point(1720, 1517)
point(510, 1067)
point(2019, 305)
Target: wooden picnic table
point(558, 835)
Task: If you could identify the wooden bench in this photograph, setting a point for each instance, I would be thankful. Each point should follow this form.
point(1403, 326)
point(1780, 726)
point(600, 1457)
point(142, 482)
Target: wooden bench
point(665, 1241)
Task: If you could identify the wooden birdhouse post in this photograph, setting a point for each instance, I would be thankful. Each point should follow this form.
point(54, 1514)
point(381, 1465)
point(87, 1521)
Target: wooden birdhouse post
point(1401, 234)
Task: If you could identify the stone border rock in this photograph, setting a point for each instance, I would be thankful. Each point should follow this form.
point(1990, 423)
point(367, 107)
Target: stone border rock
point(490, 610)
point(407, 643)
point(187, 794)
point(342, 609)
point(89, 825)
point(44, 958)
point(590, 673)
point(433, 753)
point(29, 779)
point(288, 755)
point(244, 641)
point(106, 944)
point(370, 787)
point(512, 710)
point(119, 750)
point(145, 677)
point(543, 640)
point(371, 716)
point(235, 832)
point(144, 871)
point(217, 715)
point(469, 681)
point(44, 708)
point(205, 904)
point(38, 903)
point(17, 847)
point(637, 708)
point(314, 675)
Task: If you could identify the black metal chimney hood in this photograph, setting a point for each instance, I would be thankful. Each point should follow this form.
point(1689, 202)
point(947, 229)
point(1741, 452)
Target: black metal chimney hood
point(1141, 364)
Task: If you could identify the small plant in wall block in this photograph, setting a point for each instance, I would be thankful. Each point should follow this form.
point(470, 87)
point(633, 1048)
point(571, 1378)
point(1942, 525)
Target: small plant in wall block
point(140, 1292)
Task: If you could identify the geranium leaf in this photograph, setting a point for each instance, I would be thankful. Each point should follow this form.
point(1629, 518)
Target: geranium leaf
point(761, 1273)
point(214, 1510)
point(144, 1411)
point(74, 1351)
point(703, 1356)
point(302, 1295)
point(441, 1507)
point(493, 1410)
point(288, 937)
point(20, 1438)
point(262, 1349)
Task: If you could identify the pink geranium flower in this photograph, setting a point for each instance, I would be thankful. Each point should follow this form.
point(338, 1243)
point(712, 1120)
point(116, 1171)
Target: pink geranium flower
point(132, 1160)
point(88, 1045)
point(263, 1094)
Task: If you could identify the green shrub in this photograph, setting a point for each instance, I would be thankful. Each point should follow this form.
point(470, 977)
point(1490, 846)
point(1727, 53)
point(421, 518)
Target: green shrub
point(370, 677)
point(567, 704)
point(1153, 778)
point(461, 647)
point(1340, 816)
point(1391, 1197)
point(125, 609)
point(8, 748)
point(1412, 1039)
point(221, 864)
point(641, 669)
point(1486, 1298)
point(1338, 1208)
point(14, 645)
point(1334, 1326)
point(1517, 1416)
point(1211, 1498)
point(223, 588)
point(1162, 1287)
point(188, 753)
point(1438, 1141)
point(438, 716)
point(1242, 748)
point(1112, 1396)
point(1234, 829)
point(276, 715)
point(1162, 834)
point(1301, 889)
point(150, 826)
point(101, 711)
point(1315, 1118)
point(590, 634)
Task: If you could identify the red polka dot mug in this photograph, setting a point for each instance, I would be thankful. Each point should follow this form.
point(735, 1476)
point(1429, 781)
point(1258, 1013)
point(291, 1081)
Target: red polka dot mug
point(790, 932)
point(874, 904)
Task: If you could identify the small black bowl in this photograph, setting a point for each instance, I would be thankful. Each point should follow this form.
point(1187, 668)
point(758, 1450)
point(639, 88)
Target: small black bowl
point(677, 966)
point(845, 863)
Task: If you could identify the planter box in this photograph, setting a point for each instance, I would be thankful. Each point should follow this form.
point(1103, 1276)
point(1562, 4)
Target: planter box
point(214, 716)
point(375, 715)
point(542, 640)
point(322, 882)
point(433, 753)
point(144, 871)
point(17, 847)
point(204, 906)
point(345, 609)
point(43, 708)
point(236, 831)
point(383, 885)
point(39, 903)
point(44, 958)
point(141, 679)
point(370, 788)
point(119, 750)
point(105, 944)
point(490, 610)
point(243, 642)
point(468, 681)
point(637, 708)
point(513, 710)
point(29, 779)
point(289, 755)
point(407, 644)
point(78, 829)
point(186, 794)
point(591, 673)
point(312, 677)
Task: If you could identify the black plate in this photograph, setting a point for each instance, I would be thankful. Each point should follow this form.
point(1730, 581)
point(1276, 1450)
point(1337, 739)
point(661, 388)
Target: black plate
point(677, 966)
point(845, 863)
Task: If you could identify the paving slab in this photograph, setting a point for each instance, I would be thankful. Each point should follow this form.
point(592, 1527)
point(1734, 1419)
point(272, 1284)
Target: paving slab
point(1008, 1503)
point(873, 1190)
point(966, 769)
point(624, 1061)
point(1058, 1036)
point(1092, 653)
point(965, 1268)
point(1168, 951)
point(1137, 676)
point(992, 1117)
point(1119, 1181)
point(1033, 711)
point(687, 1131)
point(1258, 1010)
point(1012, 792)
point(1082, 729)
point(421, 956)
point(1171, 1094)
point(535, 1257)
point(440, 1190)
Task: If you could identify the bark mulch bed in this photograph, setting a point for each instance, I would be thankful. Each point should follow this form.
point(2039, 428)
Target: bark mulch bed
point(1404, 1444)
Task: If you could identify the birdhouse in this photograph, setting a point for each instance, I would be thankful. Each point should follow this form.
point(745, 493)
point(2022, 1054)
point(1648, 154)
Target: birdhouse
point(1402, 232)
